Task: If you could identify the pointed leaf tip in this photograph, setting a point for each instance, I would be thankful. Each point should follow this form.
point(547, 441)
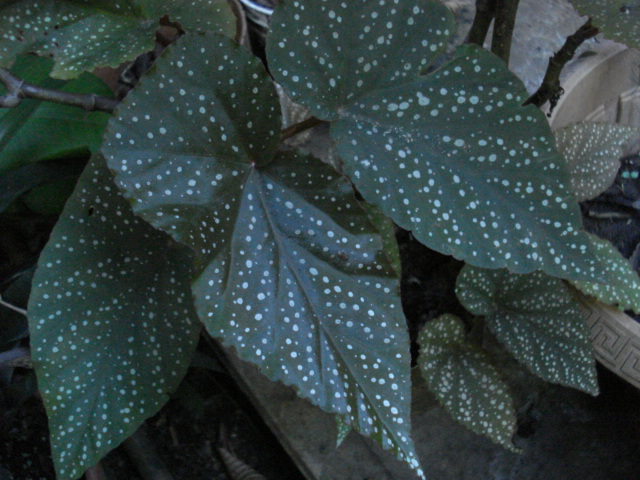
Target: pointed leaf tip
point(290, 271)
point(592, 152)
point(623, 287)
point(450, 155)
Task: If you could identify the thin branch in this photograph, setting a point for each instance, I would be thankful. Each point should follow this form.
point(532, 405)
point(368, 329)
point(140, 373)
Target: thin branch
point(17, 89)
point(505, 20)
point(485, 11)
point(298, 128)
point(550, 89)
point(13, 307)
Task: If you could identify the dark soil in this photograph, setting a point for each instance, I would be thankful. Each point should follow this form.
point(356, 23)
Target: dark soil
point(208, 411)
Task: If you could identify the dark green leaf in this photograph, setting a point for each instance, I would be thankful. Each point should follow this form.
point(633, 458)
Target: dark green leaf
point(623, 288)
point(194, 16)
point(19, 181)
point(592, 152)
point(290, 271)
point(464, 381)
point(451, 156)
point(617, 19)
point(50, 198)
point(111, 320)
point(80, 36)
point(536, 319)
point(35, 130)
point(329, 54)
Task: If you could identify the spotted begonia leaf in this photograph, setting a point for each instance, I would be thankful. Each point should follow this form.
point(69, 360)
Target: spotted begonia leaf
point(112, 322)
point(464, 381)
point(592, 152)
point(535, 318)
point(452, 155)
point(623, 288)
point(617, 19)
point(35, 130)
point(290, 272)
point(80, 36)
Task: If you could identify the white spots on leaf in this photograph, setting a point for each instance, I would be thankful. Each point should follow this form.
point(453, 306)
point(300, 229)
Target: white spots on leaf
point(592, 152)
point(545, 331)
point(115, 293)
point(486, 159)
point(317, 275)
point(464, 381)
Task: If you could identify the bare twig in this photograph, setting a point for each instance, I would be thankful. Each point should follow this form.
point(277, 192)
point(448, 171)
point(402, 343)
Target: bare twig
point(300, 127)
point(505, 20)
point(17, 89)
point(550, 89)
point(485, 11)
point(13, 307)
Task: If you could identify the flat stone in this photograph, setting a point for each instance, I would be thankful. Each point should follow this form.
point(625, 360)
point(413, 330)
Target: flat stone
point(564, 434)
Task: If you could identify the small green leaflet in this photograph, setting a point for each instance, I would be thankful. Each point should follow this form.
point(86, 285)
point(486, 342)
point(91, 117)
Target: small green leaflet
point(464, 381)
point(35, 130)
point(343, 431)
point(592, 152)
point(80, 36)
point(387, 231)
point(535, 318)
point(20, 180)
point(617, 19)
point(452, 155)
point(112, 322)
point(290, 272)
point(623, 288)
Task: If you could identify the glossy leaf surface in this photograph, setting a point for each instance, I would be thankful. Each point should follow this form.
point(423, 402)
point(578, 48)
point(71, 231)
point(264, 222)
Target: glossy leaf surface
point(452, 155)
point(290, 271)
point(535, 318)
point(35, 130)
point(464, 381)
point(112, 323)
point(623, 288)
point(592, 152)
point(80, 36)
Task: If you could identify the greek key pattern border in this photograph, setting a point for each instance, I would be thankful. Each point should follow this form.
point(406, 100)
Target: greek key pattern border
point(616, 341)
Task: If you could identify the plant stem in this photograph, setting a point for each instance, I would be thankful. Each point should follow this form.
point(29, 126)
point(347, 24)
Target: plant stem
point(17, 355)
point(550, 89)
point(485, 11)
point(505, 20)
point(17, 89)
point(13, 307)
point(297, 128)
